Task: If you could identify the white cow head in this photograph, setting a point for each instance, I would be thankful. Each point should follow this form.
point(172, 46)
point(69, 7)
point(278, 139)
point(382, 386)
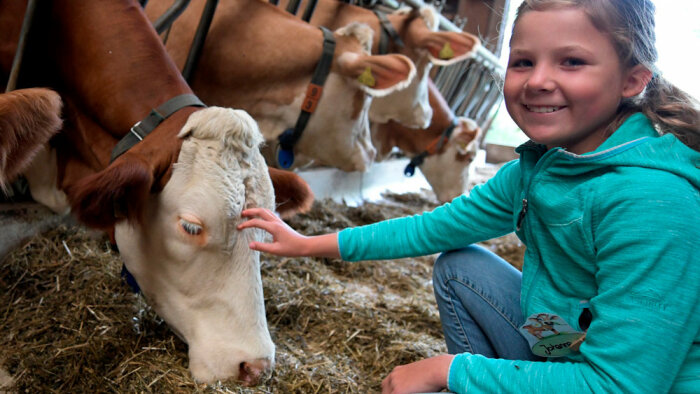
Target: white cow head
point(426, 47)
point(338, 132)
point(448, 172)
point(191, 262)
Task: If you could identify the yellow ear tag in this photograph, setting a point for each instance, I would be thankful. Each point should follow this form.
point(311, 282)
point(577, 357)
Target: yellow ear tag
point(366, 77)
point(446, 52)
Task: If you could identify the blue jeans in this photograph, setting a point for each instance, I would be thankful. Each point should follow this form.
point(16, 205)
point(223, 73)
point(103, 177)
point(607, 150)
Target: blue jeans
point(478, 296)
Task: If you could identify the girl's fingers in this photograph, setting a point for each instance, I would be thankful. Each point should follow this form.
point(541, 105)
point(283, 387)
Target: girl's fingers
point(259, 212)
point(259, 223)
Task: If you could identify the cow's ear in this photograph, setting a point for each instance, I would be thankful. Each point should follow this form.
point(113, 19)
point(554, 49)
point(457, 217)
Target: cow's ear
point(292, 194)
point(444, 48)
point(466, 136)
point(378, 75)
point(28, 119)
point(118, 192)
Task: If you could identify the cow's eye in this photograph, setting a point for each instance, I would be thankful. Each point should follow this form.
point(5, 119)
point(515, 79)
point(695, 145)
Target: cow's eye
point(190, 228)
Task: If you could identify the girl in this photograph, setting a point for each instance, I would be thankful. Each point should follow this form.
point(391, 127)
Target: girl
point(606, 198)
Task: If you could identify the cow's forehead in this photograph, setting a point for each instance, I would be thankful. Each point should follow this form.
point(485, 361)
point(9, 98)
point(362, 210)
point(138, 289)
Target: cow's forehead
point(220, 153)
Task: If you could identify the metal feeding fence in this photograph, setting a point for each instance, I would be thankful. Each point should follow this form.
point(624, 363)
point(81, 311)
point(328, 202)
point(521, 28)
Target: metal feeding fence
point(472, 88)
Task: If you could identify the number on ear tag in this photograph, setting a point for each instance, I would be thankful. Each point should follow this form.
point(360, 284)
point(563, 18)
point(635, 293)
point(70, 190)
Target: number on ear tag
point(366, 77)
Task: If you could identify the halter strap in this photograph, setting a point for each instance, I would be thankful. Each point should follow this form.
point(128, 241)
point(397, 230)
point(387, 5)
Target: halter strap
point(287, 140)
point(141, 129)
point(433, 147)
point(387, 32)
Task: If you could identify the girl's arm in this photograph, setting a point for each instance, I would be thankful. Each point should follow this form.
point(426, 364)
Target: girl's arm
point(286, 241)
point(487, 212)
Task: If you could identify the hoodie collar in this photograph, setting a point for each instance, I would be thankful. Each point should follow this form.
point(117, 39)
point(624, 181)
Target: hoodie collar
point(636, 126)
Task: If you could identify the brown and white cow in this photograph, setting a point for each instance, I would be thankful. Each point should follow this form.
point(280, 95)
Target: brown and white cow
point(174, 199)
point(28, 118)
point(261, 59)
point(446, 169)
point(423, 44)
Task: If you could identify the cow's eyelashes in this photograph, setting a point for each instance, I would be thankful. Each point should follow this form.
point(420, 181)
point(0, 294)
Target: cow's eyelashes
point(190, 228)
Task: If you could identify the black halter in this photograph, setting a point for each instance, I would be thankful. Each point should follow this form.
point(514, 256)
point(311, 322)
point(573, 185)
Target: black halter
point(141, 129)
point(432, 148)
point(287, 140)
point(387, 32)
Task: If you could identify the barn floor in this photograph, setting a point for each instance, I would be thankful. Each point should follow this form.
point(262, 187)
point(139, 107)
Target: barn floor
point(70, 324)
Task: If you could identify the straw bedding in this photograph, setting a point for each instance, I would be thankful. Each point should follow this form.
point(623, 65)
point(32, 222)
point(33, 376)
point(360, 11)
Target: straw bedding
point(69, 324)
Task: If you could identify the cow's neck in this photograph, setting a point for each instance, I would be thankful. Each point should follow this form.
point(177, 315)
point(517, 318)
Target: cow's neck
point(110, 60)
point(267, 85)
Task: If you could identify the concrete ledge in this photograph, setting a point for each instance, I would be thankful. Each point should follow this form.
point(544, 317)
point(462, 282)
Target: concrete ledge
point(22, 221)
point(354, 188)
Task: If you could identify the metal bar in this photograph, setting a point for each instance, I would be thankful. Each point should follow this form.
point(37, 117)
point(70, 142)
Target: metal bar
point(467, 89)
point(491, 97)
point(453, 83)
point(199, 38)
point(19, 53)
point(448, 74)
point(164, 21)
point(479, 94)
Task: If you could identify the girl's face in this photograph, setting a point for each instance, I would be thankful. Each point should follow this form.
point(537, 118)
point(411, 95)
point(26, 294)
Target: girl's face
point(564, 80)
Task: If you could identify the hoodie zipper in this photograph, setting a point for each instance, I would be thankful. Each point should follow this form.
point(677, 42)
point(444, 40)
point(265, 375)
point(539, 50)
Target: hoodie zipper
point(521, 215)
point(526, 189)
point(544, 159)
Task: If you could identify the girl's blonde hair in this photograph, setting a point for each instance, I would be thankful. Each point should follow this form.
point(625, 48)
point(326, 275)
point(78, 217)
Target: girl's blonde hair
point(630, 26)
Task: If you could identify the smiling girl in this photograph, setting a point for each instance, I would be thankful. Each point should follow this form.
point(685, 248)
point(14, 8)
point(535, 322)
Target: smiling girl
point(606, 198)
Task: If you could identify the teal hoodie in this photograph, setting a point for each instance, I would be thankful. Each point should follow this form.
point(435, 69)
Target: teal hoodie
point(618, 227)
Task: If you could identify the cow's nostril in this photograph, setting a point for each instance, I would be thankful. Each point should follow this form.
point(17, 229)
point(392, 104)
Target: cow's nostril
point(250, 372)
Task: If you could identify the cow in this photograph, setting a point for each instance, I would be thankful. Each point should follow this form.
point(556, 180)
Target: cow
point(446, 170)
point(261, 59)
point(416, 36)
point(446, 159)
point(172, 200)
point(28, 118)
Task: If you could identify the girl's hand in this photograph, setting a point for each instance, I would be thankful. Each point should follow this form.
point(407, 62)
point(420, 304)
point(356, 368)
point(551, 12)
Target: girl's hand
point(429, 375)
point(286, 241)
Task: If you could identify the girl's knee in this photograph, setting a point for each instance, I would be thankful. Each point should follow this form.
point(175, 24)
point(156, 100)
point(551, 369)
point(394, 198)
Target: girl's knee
point(448, 264)
point(471, 264)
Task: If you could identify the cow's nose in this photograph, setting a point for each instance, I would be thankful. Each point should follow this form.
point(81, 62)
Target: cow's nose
point(251, 371)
